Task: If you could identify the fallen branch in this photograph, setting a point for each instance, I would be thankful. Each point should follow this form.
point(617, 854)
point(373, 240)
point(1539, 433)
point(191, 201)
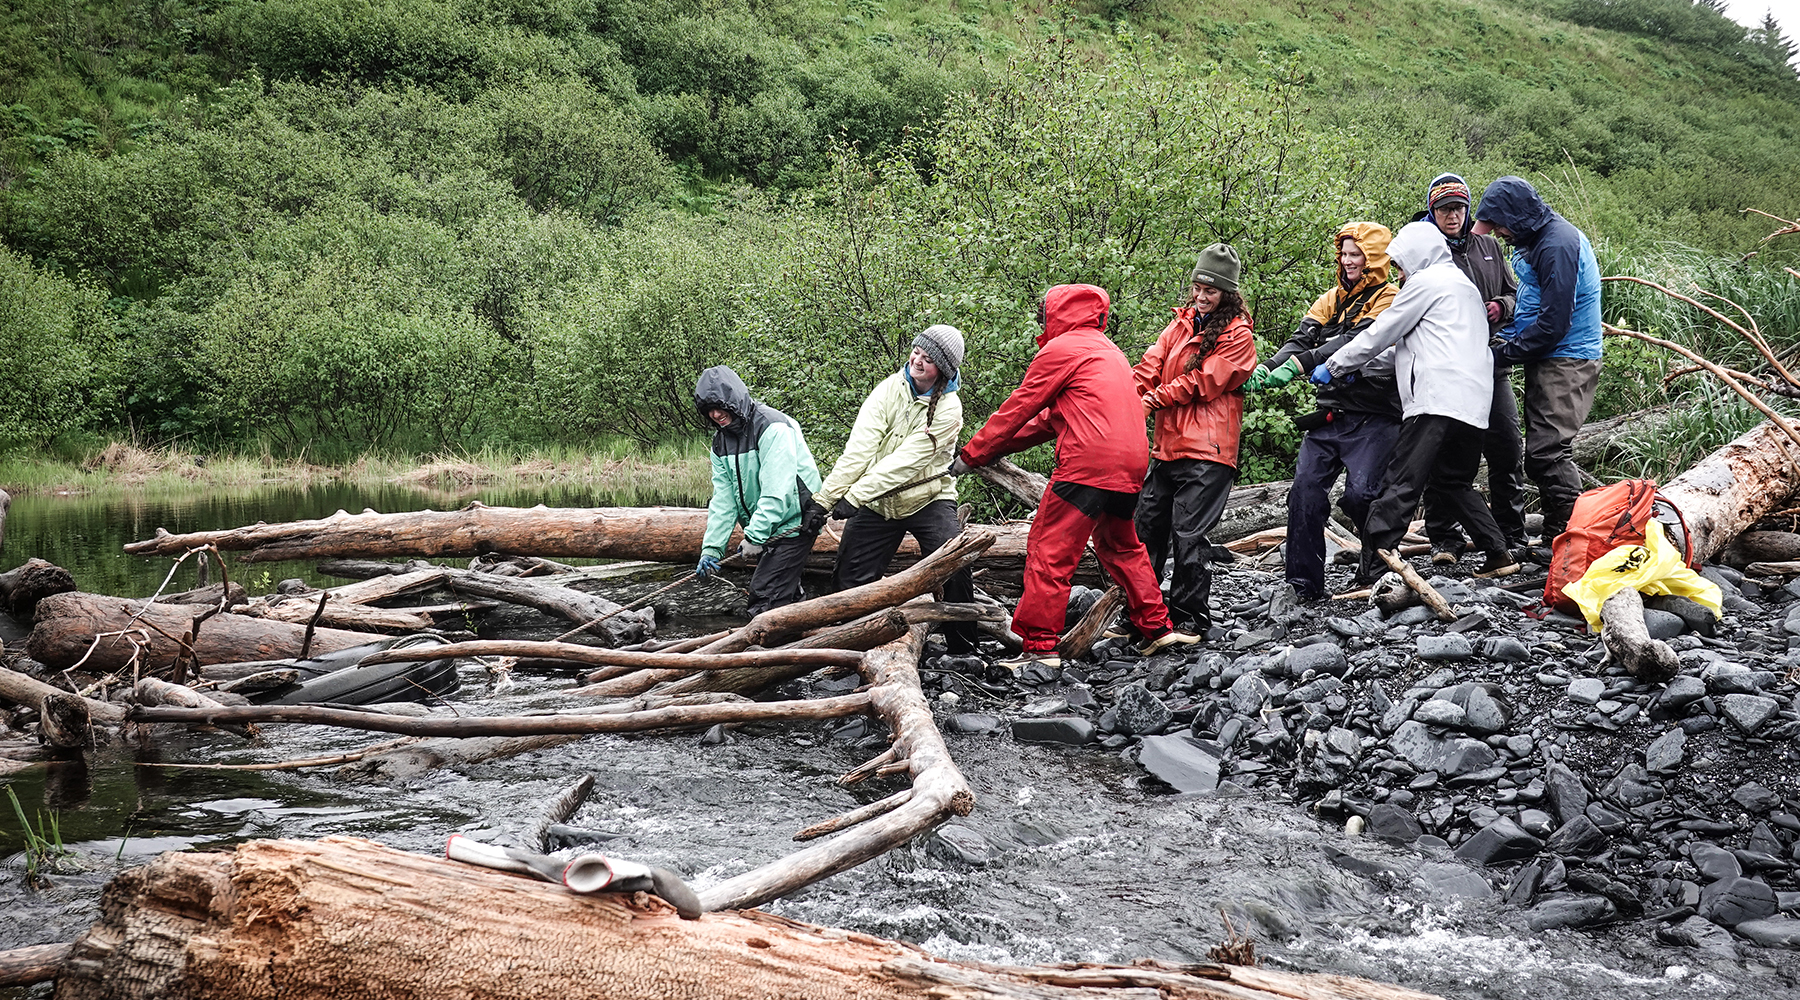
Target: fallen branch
point(36, 964)
point(1427, 593)
point(1628, 641)
point(1079, 641)
point(515, 725)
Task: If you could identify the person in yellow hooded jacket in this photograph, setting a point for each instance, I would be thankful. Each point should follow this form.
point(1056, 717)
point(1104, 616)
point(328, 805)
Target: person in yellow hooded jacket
point(1357, 422)
point(906, 430)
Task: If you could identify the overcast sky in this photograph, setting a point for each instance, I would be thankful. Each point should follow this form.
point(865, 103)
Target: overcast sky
point(1750, 12)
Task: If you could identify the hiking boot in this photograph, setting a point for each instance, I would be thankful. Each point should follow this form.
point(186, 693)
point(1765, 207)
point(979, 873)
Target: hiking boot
point(1050, 661)
point(1539, 554)
point(1499, 563)
point(1446, 555)
point(1167, 639)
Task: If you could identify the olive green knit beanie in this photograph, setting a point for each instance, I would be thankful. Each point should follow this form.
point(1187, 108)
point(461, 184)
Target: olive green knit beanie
point(1218, 266)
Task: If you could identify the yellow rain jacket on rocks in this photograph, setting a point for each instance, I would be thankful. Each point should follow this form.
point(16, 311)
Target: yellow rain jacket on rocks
point(891, 445)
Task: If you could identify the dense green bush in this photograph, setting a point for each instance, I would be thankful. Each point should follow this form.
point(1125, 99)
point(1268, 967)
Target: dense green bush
point(61, 367)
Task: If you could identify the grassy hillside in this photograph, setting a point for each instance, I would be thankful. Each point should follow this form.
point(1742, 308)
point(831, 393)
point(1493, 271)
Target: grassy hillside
point(331, 226)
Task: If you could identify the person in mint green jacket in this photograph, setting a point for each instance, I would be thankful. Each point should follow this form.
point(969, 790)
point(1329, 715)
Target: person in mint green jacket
point(763, 475)
point(907, 429)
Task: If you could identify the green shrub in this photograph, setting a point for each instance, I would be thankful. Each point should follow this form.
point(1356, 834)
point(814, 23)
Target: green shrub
point(61, 370)
point(569, 147)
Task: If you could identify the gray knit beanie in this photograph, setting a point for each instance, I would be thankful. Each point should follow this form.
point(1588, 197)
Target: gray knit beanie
point(1218, 266)
point(943, 344)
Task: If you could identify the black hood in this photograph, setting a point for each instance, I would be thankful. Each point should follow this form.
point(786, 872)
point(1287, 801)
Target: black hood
point(720, 388)
point(1513, 203)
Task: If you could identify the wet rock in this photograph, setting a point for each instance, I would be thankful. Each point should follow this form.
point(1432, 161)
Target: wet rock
point(1701, 934)
point(1586, 690)
point(1681, 691)
point(1448, 883)
point(1398, 713)
point(1608, 819)
point(1343, 742)
point(974, 724)
point(1772, 932)
point(1483, 713)
point(1425, 752)
point(1248, 693)
point(1312, 694)
point(1499, 841)
point(1662, 624)
point(1320, 658)
point(1537, 822)
point(961, 844)
point(1390, 822)
point(1729, 902)
point(1437, 712)
point(1139, 711)
point(1663, 755)
point(1164, 671)
point(1578, 838)
point(1748, 712)
point(1453, 590)
point(1181, 763)
point(1755, 798)
point(1445, 647)
point(1734, 678)
point(1080, 696)
point(1061, 729)
point(1505, 649)
point(1570, 910)
point(1696, 616)
point(1568, 796)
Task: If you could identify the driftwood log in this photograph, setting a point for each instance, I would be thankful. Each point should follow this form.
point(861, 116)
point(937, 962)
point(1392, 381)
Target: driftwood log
point(23, 586)
point(1754, 547)
point(65, 719)
point(1427, 593)
point(618, 628)
point(36, 964)
point(1726, 492)
point(68, 624)
point(1079, 641)
point(1627, 639)
point(781, 623)
point(348, 919)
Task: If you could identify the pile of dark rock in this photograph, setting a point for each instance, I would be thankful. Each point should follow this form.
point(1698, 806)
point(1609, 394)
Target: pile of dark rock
point(1502, 746)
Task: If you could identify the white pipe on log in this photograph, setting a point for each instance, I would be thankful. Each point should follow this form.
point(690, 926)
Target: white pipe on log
point(347, 919)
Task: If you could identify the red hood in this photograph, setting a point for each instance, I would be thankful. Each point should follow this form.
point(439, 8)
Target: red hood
point(1073, 307)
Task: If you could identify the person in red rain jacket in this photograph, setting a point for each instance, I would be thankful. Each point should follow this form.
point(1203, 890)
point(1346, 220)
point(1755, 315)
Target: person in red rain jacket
point(1191, 381)
point(1078, 390)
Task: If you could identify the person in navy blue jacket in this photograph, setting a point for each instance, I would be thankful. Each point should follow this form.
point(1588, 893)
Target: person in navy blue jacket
point(1559, 346)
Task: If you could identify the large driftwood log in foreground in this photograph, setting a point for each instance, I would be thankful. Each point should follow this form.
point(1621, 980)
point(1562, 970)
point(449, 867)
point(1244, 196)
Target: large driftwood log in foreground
point(347, 919)
point(67, 624)
point(1733, 488)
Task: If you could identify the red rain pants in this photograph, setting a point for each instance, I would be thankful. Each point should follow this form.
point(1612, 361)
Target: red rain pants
point(1059, 533)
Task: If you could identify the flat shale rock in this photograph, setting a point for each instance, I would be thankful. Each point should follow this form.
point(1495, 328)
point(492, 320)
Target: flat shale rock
point(1729, 902)
point(1181, 763)
point(1772, 932)
point(1064, 729)
point(1425, 752)
point(1748, 711)
point(1499, 841)
point(1570, 910)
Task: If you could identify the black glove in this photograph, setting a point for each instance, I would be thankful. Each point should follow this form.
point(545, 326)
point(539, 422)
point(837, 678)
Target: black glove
point(812, 519)
point(844, 510)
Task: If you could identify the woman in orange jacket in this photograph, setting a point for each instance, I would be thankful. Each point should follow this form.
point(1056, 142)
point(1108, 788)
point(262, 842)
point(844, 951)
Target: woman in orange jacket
point(1191, 383)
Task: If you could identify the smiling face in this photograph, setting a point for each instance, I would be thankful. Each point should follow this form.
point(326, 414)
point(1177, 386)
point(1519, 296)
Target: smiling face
point(1351, 260)
point(923, 370)
point(1205, 298)
point(719, 415)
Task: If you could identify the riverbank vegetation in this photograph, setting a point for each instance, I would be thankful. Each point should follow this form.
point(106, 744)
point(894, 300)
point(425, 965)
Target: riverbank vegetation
point(275, 235)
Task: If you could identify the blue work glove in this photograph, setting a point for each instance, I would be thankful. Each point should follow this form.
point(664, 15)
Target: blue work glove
point(1322, 374)
point(708, 566)
point(749, 549)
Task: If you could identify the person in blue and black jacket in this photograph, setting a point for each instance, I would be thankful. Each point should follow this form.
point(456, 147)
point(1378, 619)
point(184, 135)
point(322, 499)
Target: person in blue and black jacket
point(1559, 347)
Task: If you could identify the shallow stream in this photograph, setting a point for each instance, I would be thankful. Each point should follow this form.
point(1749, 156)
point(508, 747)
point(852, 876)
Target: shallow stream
point(1072, 857)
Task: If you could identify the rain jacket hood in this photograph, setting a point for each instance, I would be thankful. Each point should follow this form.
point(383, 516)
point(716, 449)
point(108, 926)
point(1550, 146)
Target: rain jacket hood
point(1073, 307)
point(1437, 329)
point(762, 471)
point(1420, 245)
point(1372, 239)
point(1513, 203)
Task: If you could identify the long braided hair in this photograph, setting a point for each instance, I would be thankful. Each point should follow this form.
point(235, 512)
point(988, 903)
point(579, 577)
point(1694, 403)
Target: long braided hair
point(1231, 306)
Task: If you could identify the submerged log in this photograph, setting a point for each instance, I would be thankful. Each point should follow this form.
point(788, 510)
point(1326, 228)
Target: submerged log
point(1733, 488)
point(348, 919)
point(22, 587)
point(67, 625)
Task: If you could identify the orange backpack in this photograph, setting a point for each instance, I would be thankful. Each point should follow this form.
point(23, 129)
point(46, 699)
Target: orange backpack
point(1605, 518)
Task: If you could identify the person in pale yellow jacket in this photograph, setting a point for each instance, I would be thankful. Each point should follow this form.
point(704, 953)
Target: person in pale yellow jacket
point(907, 430)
